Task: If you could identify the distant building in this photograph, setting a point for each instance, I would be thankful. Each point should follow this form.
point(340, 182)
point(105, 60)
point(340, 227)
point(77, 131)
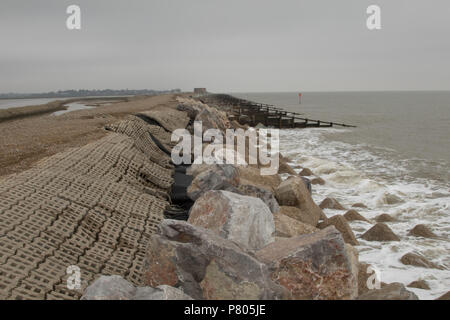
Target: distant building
point(200, 91)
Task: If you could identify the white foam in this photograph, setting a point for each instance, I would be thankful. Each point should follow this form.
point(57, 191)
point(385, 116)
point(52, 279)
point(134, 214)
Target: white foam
point(361, 173)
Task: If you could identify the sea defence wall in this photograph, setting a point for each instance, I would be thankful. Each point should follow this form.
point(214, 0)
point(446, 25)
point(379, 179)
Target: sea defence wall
point(92, 207)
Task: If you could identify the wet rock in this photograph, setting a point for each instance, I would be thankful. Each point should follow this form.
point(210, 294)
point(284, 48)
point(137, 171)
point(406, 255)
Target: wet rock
point(287, 227)
point(293, 192)
point(318, 181)
point(314, 266)
point(265, 195)
point(218, 177)
point(353, 215)
point(305, 172)
point(419, 284)
point(244, 219)
point(342, 226)
point(284, 167)
point(422, 231)
point(359, 205)
point(384, 217)
point(380, 232)
point(445, 296)
point(392, 291)
point(116, 288)
point(205, 265)
point(331, 203)
point(251, 175)
point(413, 259)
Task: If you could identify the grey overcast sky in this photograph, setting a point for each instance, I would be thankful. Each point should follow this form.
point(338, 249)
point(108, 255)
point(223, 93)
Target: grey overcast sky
point(226, 46)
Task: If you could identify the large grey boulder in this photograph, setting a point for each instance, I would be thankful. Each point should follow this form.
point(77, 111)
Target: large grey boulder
point(205, 265)
point(294, 193)
point(314, 266)
point(392, 291)
point(287, 227)
point(212, 118)
point(244, 219)
point(117, 288)
point(265, 195)
point(216, 177)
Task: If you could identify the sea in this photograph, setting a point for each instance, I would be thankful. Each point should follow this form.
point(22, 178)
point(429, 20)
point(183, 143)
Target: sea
point(396, 161)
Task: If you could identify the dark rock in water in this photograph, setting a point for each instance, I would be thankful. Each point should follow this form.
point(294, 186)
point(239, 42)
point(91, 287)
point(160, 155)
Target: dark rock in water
point(284, 167)
point(384, 217)
point(392, 291)
point(380, 232)
point(218, 177)
point(445, 296)
point(313, 266)
point(117, 288)
point(293, 192)
point(318, 181)
point(353, 215)
point(265, 195)
point(359, 205)
point(413, 259)
point(306, 172)
point(331, 203)
point(206, 266)
point(422, 231)
point(342, 226)
point(246, 220)
point(419, 284)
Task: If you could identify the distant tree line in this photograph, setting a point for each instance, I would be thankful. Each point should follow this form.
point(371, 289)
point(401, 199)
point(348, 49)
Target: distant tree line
point(85, 93)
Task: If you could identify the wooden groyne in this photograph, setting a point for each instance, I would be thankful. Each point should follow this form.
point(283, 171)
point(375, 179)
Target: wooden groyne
point(270, 116)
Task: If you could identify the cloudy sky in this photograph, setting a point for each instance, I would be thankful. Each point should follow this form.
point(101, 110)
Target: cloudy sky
point(226, 46)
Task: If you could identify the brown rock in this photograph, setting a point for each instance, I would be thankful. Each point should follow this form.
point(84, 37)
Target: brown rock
point(284, 167)
point(416, 260)
point(206, 266)
point(297, 214)
point(287, 227)
point(331, 203)
point(422, 231)
point(342, 226)
point(445, 296)
point(384, 217)
point(318, 181)
point(419, 284)
point(315, 266)
point(353, 215)
point(306, 172)
point(243, 219)
point(359, 205)
point(293, 192)
point(392, 291)
point(380, 232)
point(251, 175)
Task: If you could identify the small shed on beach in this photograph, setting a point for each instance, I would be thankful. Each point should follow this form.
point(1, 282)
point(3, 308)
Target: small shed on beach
point(200, 90)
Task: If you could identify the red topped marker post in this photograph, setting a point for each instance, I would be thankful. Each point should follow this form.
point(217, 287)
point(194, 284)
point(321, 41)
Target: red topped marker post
point(299, 98)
